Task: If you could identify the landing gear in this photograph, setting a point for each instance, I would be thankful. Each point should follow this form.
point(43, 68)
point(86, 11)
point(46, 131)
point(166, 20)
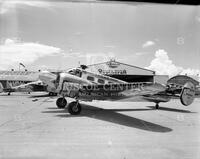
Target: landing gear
point(8, 93)
point(157, 105)
point(61, 102)
point(74, 108)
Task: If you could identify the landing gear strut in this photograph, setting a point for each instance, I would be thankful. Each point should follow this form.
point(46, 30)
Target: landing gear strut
point(61, 102)
point(74, 108)
point(157, 105)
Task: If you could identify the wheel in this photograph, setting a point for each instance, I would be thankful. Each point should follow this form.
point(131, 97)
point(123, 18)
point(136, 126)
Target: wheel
point(61, 102)
point(8, 93)
point(157, 106)
point(74, 108)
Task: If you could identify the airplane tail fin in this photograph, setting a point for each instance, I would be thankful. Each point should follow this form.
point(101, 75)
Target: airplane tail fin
point(187, 94)
point(186, 88)
point(1, 87)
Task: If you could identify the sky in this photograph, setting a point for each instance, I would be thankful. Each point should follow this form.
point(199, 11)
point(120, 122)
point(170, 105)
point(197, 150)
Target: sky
point(62, 35)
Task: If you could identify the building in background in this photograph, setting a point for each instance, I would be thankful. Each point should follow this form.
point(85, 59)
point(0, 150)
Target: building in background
point(126, 72)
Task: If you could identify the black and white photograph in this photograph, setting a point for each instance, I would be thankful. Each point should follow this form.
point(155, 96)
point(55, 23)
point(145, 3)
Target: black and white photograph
point(99, 79)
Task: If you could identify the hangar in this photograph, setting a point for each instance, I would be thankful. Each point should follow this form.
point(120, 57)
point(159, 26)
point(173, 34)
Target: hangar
point(126, 72)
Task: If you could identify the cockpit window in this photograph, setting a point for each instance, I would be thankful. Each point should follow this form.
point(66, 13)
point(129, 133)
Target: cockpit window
point(76, 72)
point(71, 72)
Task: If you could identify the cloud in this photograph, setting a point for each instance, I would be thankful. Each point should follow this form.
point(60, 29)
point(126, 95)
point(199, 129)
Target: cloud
point(8, 5)
point(148, 43)
point(13, 52)
point(164, 66)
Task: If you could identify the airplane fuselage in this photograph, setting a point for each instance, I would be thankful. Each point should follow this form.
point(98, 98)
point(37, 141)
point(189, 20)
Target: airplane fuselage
point(112, 92)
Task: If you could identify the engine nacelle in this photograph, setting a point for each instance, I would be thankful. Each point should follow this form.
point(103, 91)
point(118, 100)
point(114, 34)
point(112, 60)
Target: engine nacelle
point(70, 89)
point(187, 94)
point(68, 85)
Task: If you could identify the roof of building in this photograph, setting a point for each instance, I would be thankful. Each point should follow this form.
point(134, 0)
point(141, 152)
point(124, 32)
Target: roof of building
point(122, 64)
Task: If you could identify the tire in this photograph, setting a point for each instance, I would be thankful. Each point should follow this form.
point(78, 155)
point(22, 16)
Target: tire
point(74, 108)
point(61, 103)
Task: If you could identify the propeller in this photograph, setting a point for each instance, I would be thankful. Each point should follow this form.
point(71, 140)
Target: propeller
point(1, 87)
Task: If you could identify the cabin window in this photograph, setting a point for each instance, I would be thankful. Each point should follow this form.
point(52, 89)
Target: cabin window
point(101, 81)
point(90, 78)
point(78, 73)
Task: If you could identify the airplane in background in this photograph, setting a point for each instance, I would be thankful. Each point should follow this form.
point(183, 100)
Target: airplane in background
point(82, 85)
point(21, 83)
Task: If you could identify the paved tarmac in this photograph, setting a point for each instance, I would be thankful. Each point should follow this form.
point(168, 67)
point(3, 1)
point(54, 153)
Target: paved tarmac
point(32, 127)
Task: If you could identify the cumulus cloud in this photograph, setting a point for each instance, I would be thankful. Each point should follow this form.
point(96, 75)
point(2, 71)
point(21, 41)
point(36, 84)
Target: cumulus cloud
point(13, 52)
point(164, 66)
point(148, 43)
point(7, 5)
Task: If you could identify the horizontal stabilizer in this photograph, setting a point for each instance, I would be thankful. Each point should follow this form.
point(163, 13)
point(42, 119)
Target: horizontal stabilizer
point(182, 80)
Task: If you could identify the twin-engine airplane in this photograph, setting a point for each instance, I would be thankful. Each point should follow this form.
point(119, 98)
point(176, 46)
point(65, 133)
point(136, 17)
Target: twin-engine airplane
point(86, 86)
point(34, 86)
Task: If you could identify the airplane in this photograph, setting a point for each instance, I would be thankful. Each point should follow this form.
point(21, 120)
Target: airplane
point(28, 86)
point(82, 85)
